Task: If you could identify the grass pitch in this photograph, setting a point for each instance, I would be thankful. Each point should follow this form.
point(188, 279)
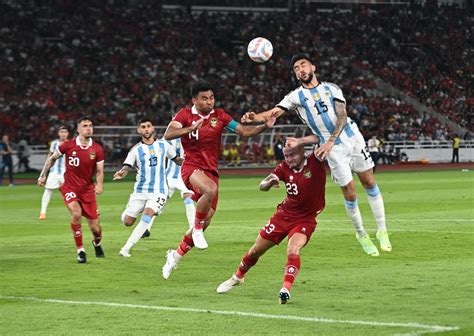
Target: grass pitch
point(425, 285)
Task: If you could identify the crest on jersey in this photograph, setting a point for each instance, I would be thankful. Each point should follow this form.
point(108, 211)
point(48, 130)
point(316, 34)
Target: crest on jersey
point(152, 152)
point(291, 178)
point(213, 122)
point(74, 153)
point(316, 96)
point(92, 155)
point(307, 173)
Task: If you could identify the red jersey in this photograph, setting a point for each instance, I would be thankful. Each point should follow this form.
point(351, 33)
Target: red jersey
point(202, 147)
point(305, 189)
point(80, 163)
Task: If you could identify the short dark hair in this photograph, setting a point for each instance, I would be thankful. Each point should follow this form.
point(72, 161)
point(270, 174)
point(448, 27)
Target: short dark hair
point(81, 119)
point(63, 127)
point(144, 120)
point(200, 87)
point(299, 56)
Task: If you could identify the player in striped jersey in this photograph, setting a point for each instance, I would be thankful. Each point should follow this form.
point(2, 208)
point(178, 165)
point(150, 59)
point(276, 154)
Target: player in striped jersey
point(56, 173)
point(322, 106)
point(173, 176)
point(150, 192)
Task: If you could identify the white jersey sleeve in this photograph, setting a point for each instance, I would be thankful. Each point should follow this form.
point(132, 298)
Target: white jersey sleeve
point(289, 102)
point(170, 151)
point(131, 159)
point(336, 92)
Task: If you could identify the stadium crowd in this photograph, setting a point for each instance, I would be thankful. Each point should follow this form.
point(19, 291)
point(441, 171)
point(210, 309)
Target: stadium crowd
point(119, 63)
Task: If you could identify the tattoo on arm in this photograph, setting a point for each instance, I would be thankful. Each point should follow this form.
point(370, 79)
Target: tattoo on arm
point(341, 120)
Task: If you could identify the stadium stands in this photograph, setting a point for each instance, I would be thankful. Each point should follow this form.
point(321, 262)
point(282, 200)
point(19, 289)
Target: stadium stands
point(120, 62)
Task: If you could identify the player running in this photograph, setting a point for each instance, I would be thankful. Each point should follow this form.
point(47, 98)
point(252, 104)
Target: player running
point(84, 158)
point(151, 191)
point(295, 217)
point(56, 174)
point(175, 182)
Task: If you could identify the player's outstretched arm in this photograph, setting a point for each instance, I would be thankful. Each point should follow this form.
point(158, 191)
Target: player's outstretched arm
point(47, 166)
point(307, 140)
point(121, 173)
point(99, 178)
point(270, 181)
point(248, 131)
point(176, 130)
point(252, 117)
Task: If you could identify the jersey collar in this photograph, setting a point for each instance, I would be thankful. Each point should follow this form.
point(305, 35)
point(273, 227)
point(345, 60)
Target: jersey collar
point(78, 142)
point(195, 111)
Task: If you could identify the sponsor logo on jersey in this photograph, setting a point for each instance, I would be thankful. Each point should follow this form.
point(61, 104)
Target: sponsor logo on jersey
point(213, 122)
point(307, 173)
point(92, 155)
point(291, 177)
point(74, 153)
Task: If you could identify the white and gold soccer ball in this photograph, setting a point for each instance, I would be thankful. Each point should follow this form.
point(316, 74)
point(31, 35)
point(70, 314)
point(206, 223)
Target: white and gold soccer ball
point(260, 50)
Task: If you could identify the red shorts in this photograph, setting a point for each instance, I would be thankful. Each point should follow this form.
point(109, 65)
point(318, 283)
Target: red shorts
point(279, 227)
point(86, 200)
point(187, 171)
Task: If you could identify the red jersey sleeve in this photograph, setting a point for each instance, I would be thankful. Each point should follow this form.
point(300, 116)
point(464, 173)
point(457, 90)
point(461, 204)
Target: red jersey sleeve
point(181, 117)
point(63, 148)
point(100, 153)
point(225, 117)
point(279, 171)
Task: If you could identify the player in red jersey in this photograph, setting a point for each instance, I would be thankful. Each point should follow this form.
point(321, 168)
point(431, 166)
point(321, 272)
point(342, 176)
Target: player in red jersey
point(295, 217)
point(200, 128)
point(84, 158)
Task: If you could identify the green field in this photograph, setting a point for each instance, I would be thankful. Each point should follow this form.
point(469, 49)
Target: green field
point(425, 285)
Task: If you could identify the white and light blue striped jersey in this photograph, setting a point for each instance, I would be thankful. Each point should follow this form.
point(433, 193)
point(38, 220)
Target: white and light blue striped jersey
point(316, 107)
point(59, 166)
point(173, 170)
point(150, 162)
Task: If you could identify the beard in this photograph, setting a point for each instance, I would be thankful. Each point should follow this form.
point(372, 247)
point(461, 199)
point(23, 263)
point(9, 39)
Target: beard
point(308, 80)
point(148, 136)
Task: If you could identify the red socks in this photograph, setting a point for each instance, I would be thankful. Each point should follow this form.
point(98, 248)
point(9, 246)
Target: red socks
point(77, 233)
point(292, 268)
point(245, 265)
point(186, 245)
point(199, 220)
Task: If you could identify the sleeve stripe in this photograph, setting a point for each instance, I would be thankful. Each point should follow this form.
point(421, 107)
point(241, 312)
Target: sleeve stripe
point(282, 107)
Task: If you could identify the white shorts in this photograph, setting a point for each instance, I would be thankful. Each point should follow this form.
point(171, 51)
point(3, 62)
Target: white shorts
point(54, 181)
point(348, 157)
point(177, 183)
point(139, 201)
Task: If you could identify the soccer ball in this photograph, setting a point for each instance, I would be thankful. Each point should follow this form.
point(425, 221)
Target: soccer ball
point(260, 50)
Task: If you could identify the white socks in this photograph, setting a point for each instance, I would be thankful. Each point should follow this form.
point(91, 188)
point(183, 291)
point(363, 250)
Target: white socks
point(352, 209)
point(376, 204)
point(137, 232)
point(190, 211)
point(45, 199)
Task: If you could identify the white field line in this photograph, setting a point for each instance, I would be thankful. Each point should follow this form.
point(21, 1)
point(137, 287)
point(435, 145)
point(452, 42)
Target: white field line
point(420, 327)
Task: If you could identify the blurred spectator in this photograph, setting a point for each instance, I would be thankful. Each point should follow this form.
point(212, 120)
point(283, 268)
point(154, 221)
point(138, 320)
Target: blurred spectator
point(278, 145)
point(374, 149)
point(23, 153)
point(456, 142)
point(7, 160)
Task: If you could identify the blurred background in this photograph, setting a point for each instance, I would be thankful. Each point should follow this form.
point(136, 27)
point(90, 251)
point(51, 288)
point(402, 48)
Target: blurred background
point(405, 68)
